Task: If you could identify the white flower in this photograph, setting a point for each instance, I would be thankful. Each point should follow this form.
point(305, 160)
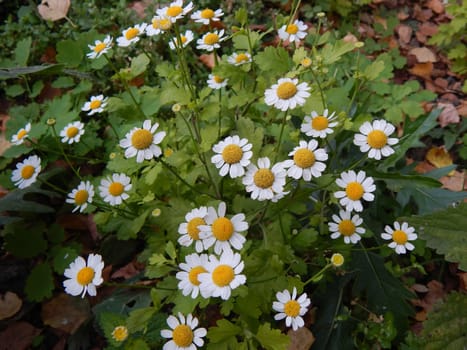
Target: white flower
point(194, 265)
point(175, 10)
point(262, 182)
point(72, 132)
point(223, 275)
point(21, 135)
point(183, 333)
point(26, 172)
point(317, 125)
point(159, 24)
point(210, 41)
point(286, 94)
point(131, 35)
point(216, 82)
point(357, 186)
point(207, 15)
point(189, 230)
point(346, 226)
point(84, 277)
point(237, 59)
point(290, 308)
point(295, 31)
point(221, 231)
point(81, 196)
point(400, 235)
point(375, 139)
point(307, 161)
point(113, 190)
point(185, 38)
point(100, 47)
point(233, 155)
point(142, 142)
point(95, 105)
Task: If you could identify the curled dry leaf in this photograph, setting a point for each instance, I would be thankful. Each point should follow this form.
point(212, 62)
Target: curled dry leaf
point(448, 115)
point(423, 54)
point(10, 304)
point(53, 10)
point(439, 157)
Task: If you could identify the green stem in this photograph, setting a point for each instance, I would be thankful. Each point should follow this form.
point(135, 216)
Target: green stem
point(319, 88)
point(317, 276)
point(284, 120)
point(57, 138)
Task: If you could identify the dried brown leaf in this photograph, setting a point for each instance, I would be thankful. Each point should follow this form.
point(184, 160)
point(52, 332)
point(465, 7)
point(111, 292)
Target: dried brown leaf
point(405, 33)
point(10, 304)
point(455, 181)
point(423, 54)
point(65, 312)
point(423, 70)
point(53, 10)
point(449, 114)
point(18, 336)
point(436, 5)
point(301, 339)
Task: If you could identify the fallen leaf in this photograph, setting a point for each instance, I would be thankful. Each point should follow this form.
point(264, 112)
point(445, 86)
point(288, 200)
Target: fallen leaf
point(428, 29)
point(439, 157)
point(424, 167)
point(301, 339)
point(405, 33)
point(455, 181)
point(18, 336)
point(350, 38)
point(207, 60)
point(462, 109)
point(10, 304)
point(53, 10)
point(463, 280)
point(435, 292)
point(421, 316)
point(127, 271)
point(423, 54)
point(449, 114)
point(419, 288)
point(423, 70)
point(436, 5)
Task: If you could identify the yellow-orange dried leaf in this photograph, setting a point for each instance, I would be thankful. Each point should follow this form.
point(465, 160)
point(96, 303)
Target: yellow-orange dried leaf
point(439, 157)
point(423, 70)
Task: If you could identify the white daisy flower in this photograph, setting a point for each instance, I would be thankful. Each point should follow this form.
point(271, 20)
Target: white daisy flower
point(207, 15)
point(120, 333)
point(26, 172)
point(216, 82)
point(317, 125)
point(158, 25)
point(262, 182)
point(21, 135)
point(72, 132)
point(95, 105)
point(290, 308)
point(375, 138)
point(100, 47)
point(223, 275)
point(294, 32)
point(347, 226)
point(222, 232)
point(194, 265)
point(189, 230)
point(131, 35)
point(185, 38)
point(233, 155)
point(307, 161)
point(143, 142)
point(278, 196)
point(210, 41)
point(81, 196)
point(237, 59)
point(84, 277)
point(175, 10)
point(183, 333)
point(113, 190)
point(357, 187)
point(337, 260)
point(287, 94)
point(400, 235)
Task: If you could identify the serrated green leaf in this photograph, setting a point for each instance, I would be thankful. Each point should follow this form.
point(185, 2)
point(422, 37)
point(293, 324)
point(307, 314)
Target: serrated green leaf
point(23, 242)
point(137, 344)
point(273, 61)
point(22, 50)
point(138, 319)
point(39, 284)
point(63, 82)
point(332, 53)
point(108, 321)
point(62, 257)
point(69, 52)
point(373, 71)
point(429, 200)
point(139, 65)
point(224, 330)
point(14, 90)
point(272, 339)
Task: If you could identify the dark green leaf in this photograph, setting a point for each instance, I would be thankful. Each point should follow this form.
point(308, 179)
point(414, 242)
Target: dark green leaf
point(22, 50)
point(39, 284)
point(272, 339)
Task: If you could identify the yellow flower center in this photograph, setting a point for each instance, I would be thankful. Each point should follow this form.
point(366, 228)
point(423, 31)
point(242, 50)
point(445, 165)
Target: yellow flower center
point(192, 227)
point(319, 123)
point(207, 14)
point(304, 158)
point(72, 131)
point(263, 178)
point(81, 197)
point(116, 189)
point(85, 275)
point(346, 228)
point(354, 191)
point(174, 11)
point(241, 58)
point(232, 154)
point(223, 275)
point(377, 139)
point(292, 308)
point(183, 38)
point(120, 333)
point(131, 33)
point(222, 229)
point(211, 39)
point(193, 274)
point(286, 90)
point(400, 237)
point(95, 104)
point(22, 133)
point(292, 29)
point(165, 24)
point(99, 47)
point(182, 336)
point(27, 171)
point(141, 139)
point(218, 79)
point(337, 259)
point(306, 62)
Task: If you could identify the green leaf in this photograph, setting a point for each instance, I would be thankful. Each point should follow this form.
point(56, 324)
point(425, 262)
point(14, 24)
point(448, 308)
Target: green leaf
point(139, 319)
point(69, 52)
point(39, 284)
point(108, 321)
point(272, 339)
point(8, 73)
point(22, 50)
point(332, 53)
point(23, 242)
point(62, 257)
point(224, 330)
point(429, 200)
point(273, 60)
point(137, 344)
point(444, 231)
point(139, 65)
point(63, 82)
point(36, 88)
point(247, 129)
point(373, 71)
